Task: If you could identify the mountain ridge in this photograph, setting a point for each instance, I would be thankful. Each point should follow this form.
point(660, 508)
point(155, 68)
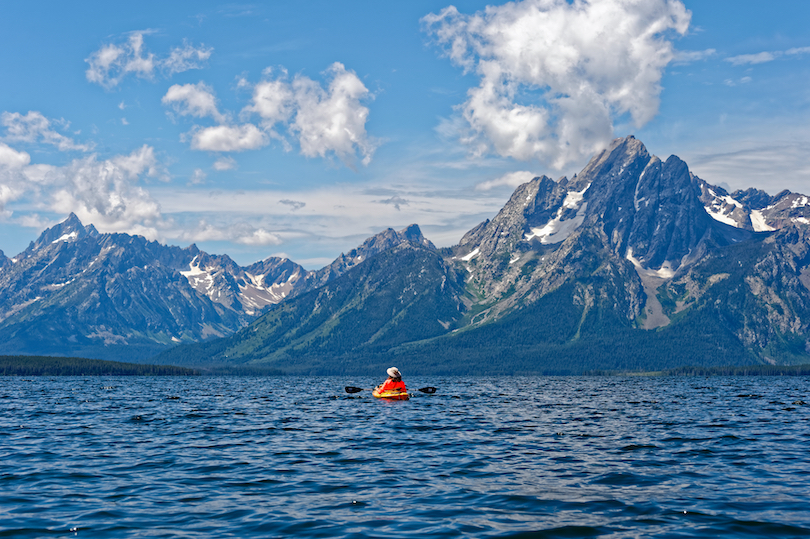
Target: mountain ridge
point(633, 255)
point(637, 253)
point(116, 296)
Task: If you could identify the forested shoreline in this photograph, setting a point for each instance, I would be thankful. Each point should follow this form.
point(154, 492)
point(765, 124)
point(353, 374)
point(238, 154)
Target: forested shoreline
point(745, 370)
point(79, 366)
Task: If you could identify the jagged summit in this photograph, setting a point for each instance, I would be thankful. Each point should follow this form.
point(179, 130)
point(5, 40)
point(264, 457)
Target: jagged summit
point(387, 239)
point(71, 229)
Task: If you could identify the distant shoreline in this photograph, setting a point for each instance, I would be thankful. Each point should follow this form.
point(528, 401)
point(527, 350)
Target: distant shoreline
point(79, 366)
point(730, 370)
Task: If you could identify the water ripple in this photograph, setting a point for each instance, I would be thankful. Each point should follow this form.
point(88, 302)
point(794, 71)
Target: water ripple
point(255, 457)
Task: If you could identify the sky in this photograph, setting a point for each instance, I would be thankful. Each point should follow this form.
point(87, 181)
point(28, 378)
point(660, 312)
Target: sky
point(299, 129)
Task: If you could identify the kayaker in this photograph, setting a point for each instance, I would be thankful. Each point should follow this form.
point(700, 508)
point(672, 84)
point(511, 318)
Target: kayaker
point(394, 381)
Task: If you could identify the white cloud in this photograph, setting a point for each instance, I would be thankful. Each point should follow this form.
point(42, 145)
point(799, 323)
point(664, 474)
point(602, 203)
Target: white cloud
point(106, 193)
point(12, 179)
point(112, 62)
point(555, 75)
point(11, 158)
point(332, 120)
point(273, 101)
point(185, 58)
point(258, 237)
point(329, 121)
point(34, 127)
point(753, 59)
point(225, 163)
point(241, 232)
point(326, 122)
point(195, 100)
point(226, 138)
point(765, 57)
point(511, 179)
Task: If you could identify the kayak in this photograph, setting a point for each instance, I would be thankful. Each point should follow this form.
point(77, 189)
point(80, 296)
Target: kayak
point(391, 394)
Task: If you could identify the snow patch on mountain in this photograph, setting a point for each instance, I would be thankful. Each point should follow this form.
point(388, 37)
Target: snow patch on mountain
point(66, 237)
point(559, 228)
point(721, 208)
point(758, 222)
point(665, 272)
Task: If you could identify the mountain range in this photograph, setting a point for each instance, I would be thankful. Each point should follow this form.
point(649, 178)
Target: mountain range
point(633, 264)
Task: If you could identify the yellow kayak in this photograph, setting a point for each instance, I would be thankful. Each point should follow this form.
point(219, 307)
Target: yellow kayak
point(393, 394)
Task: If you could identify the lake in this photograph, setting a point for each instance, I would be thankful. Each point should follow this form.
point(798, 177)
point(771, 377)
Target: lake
point(483, 457)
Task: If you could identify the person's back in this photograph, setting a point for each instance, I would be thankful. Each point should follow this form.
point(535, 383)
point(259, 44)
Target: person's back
point(393, 383)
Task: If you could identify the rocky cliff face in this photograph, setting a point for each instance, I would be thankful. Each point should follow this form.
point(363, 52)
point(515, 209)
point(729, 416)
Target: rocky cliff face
point(630, 231)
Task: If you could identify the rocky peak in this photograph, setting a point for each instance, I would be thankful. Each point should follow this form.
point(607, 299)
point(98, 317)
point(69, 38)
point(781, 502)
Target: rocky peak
point(755, 199)
point(373, 246)
point(69, 230)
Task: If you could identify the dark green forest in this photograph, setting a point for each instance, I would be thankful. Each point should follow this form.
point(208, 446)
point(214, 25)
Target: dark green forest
point(78, 366)
point(748, 370)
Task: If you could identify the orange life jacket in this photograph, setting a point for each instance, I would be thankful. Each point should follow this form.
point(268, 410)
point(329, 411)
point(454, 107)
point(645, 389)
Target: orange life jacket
point(390, 384)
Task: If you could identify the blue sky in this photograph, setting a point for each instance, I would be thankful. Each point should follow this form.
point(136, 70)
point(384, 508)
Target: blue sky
point(299, 129)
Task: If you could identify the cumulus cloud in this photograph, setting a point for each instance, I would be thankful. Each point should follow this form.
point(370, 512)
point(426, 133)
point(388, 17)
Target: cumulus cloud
point(103, 192)
point(35, 127)
point(228, 138)
point(11, 158)
point(273, 100)
point(556, 75)
point(195, 100)
point(511, 179)
point(325, 121)
point(332, 120)
point(112, 62)
point(106, 193)
point(12, 165)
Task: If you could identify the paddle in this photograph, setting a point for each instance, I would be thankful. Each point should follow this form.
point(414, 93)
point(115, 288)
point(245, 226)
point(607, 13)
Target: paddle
point(429, 390)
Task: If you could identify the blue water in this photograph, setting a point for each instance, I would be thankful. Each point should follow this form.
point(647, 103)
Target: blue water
point(505, 457)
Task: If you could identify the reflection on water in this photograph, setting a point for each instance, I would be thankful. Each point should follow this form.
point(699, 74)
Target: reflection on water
point(484, 457)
